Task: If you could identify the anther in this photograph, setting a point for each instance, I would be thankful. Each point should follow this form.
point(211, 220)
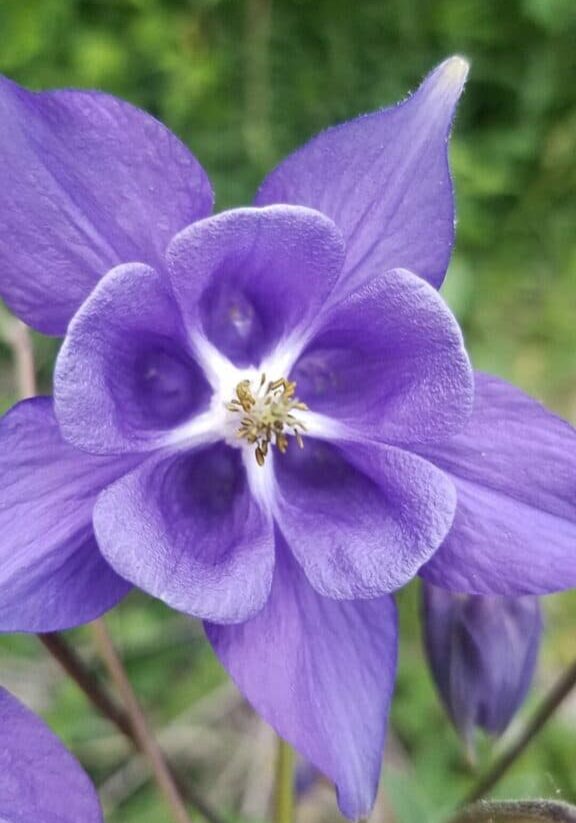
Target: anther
point(268, 415)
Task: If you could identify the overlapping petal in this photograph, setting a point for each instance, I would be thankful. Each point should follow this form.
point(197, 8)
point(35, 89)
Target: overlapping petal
point(39, 778)
point(52, 575)
point(321, 672)
point(249, 278)
point(125, 376)
point(390, 363)
point(384, 180)
point(185, 528)
point(515, 472)
point(87, 182)
point(361, 519)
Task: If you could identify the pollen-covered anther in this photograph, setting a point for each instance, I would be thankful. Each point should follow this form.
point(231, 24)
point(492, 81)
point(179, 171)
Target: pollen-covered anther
point(268, 415)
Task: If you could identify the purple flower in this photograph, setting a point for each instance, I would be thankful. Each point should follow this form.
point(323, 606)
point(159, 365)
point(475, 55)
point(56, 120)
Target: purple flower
point(189, 379)
point(39, 778)
point(482, 651)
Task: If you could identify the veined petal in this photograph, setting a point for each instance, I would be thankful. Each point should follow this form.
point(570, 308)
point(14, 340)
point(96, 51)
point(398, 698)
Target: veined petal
point(52, 575)
point(514, 468)
point(39, 778)
point(86, 182)
point(249, 278)
point(125, 377)
point(186, 529)
point(361, 519)
point(321, 672)
point(390, 363)
point(384, 180)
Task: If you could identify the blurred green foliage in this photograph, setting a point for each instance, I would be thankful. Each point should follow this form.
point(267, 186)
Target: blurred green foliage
point(243, 82)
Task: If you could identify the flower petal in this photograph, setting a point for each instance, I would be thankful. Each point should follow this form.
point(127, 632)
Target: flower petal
point(124, 377)
point(251, 277)
point(515, 473)
point(321, 672)
point(186, 529)
point(390, 363)
point(86, 182)
point(361, 519)
point(52, 575)
point(384, 180)
point(39, 778)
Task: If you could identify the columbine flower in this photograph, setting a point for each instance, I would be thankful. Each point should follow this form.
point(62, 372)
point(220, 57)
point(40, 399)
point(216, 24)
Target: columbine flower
point(39, 778)
point(482, 652)
point(264, 421)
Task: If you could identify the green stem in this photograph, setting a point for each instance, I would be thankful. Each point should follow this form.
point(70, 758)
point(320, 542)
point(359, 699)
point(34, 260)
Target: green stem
point(284, 797)
point(518, 811)
point(547, 708)
point(257, 87)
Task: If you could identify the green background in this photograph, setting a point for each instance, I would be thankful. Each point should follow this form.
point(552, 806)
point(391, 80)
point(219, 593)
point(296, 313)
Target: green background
point(243, 82)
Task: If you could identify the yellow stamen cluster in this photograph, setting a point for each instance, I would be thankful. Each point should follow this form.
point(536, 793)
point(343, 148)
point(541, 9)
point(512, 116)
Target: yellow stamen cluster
point(268, 415)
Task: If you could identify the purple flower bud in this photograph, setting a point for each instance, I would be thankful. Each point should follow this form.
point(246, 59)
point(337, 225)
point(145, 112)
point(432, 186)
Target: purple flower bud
point(482, 652)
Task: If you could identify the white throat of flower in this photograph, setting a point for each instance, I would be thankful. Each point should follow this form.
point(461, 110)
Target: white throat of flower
point(267, 413)
point(251, 412)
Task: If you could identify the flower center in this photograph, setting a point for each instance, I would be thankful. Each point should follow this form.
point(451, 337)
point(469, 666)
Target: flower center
point(267, 415)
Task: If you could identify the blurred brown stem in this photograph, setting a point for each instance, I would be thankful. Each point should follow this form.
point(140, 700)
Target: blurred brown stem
point(18, 338)
point(551, 701)
point(142, 733)
point(98, 695)
point(101, 699)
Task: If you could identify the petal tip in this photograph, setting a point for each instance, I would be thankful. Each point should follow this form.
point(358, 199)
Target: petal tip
point(452, 73)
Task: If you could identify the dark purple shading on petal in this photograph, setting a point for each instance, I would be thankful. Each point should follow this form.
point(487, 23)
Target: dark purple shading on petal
point(52, 575)
point(390, 362)
point(321, 672)
point(250, 277)
point(305, 777)
point(124, 377)
point(185, 528)
point(86, 182)
point(40, 781)
point(361, 519)
point(482, 652)
point(514, 468)
point(384, 180)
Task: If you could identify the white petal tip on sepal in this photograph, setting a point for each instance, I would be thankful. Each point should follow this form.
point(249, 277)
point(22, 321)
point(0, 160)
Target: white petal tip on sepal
point(452, 73)
point(456, 69)
point(444, 85)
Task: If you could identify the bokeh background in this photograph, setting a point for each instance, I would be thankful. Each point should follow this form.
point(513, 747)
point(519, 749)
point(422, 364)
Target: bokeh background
point(243, 82)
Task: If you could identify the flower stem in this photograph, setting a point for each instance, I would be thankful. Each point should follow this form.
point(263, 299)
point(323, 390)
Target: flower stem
point(101, 699)
point(257, 92)
point(284, 796)
point(18, 338)
point(97, 694)
point(142, 732)
point(549, 704)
